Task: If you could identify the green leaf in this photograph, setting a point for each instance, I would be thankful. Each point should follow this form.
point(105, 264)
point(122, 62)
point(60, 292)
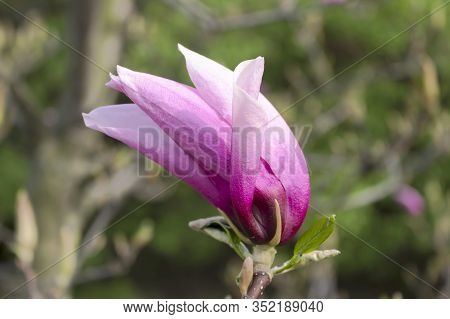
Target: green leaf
point(305, 248)
point(219, 229)
point(315, 235)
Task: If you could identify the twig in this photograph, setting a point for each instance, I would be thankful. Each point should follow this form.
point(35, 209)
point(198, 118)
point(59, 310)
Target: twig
point(102, 219)
point(112, 269)
point(254, 19)
point(372, 194)
point(261, 280)
point(200, 14)
point(197, 11)
point(29, 273)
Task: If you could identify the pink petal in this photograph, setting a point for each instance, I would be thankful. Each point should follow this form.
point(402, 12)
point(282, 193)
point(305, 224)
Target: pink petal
point(285, 157)
point(410, 199)
point(248, 119)
point(213, 81)
point(182, 114)
point(130, 125)
point(248, 77)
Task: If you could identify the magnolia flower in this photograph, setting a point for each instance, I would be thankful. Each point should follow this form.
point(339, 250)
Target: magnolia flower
point(410, 199)
point(222, 137)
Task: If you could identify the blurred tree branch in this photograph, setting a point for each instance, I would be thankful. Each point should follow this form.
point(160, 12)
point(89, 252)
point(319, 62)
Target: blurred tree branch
point(208, 21)
point(111, 269)
point(126, 249)
point(101, 220)
point(30, 115)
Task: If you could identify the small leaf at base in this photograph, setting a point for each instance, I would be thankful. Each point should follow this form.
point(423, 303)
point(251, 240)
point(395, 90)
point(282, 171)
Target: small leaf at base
point(300, 261)
point(315, 235)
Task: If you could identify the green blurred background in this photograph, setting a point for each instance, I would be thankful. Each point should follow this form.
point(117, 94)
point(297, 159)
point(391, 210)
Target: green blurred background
point(379, 125)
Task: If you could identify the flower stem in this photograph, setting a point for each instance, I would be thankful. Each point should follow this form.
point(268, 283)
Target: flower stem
point(263, 257)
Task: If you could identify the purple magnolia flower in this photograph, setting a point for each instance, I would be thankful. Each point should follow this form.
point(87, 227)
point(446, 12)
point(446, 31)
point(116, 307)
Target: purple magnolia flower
point(223, 138)
point(410, 199)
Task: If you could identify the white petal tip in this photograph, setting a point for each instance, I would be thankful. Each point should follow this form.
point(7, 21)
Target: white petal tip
point(114, 82)
point(120, 68)
point(126, 78)
point(88, 121)
point(185, 51)
point(122, 71)
point(259, 61)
